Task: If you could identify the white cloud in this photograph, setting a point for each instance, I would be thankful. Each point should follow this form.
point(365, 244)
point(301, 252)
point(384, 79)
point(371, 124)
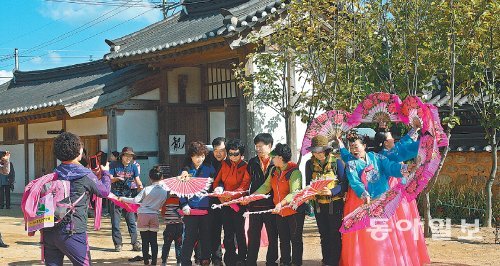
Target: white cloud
point(79, 13)
point(4, 76)
point(54, 57)
point(37, 60)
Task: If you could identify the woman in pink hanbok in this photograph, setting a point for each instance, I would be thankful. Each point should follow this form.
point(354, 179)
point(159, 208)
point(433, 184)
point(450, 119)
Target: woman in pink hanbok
point(397, 241)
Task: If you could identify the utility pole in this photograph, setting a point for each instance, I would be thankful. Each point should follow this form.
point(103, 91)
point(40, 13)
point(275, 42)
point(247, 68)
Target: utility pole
point(165, 9)
point(16, 59)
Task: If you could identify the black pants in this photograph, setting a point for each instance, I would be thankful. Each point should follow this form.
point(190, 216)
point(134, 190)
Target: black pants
point(290, 230)
point(215, 238)
point(234, 226)
point(195, 228)
point(149, 238)
point(172, 233)
point(329, 220)
point(215, 235)
point(5, 196)
point(255, 227)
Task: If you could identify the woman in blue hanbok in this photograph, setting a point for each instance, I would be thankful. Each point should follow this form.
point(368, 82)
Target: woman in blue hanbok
point(368, 174)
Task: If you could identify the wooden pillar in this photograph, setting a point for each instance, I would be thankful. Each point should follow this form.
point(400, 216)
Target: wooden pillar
point(247, 113)
point(163, 119)
point(64, 124)
point(26, 155)
point(292, 121)
point(112, 134)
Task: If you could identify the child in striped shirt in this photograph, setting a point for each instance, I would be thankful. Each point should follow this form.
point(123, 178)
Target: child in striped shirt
point(173, 229)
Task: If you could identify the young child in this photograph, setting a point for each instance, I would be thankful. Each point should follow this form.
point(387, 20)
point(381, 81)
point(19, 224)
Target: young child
point(173, 229)
point(151, 200)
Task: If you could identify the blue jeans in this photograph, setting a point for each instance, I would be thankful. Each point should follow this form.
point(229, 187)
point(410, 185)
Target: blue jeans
point(116, 213)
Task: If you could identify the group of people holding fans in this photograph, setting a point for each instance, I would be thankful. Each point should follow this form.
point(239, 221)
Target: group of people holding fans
point(358, 176)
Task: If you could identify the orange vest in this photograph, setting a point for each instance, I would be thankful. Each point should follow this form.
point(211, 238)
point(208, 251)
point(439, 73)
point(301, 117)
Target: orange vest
point(281, 186)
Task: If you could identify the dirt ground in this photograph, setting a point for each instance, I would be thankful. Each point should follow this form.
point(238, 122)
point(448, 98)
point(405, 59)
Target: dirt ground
point(25, 250)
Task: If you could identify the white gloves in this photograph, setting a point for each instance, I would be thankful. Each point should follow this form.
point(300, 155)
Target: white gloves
point(218, 190)
point(186, 209)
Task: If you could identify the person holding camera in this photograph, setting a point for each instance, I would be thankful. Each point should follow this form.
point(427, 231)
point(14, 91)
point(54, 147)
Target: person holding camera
point(4, 170)
point(124, 171)
point(6, 183)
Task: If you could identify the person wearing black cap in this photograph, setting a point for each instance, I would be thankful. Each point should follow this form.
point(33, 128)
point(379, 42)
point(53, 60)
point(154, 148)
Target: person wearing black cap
point(329, 204)
point(124, 172)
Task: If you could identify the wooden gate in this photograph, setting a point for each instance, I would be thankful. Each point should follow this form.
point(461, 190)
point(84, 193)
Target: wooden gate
point(45, 160)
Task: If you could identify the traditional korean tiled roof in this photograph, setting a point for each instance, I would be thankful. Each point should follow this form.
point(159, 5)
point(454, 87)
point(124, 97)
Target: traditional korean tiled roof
point(69, 87)
point(199, 21)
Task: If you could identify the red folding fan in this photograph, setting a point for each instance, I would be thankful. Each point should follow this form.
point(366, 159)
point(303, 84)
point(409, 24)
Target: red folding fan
point(194, 186)
point(249, 198)
point(330, 124)
point(377, 108)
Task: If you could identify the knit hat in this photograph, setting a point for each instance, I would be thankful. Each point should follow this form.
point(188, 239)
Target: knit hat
point(319, 143)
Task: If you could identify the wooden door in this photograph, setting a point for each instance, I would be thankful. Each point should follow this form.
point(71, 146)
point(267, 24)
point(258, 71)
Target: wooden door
point(232, 110)
point(191, 121)
point(91, 144)
point(45, 160)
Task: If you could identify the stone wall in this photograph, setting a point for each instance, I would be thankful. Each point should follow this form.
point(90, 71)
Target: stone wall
point(468, 168)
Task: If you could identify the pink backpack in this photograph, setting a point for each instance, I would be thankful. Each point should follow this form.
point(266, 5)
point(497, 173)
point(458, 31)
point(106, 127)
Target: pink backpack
point(46, 201)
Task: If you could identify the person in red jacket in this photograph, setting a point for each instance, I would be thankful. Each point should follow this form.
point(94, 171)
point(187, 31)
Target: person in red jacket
point(233, 176)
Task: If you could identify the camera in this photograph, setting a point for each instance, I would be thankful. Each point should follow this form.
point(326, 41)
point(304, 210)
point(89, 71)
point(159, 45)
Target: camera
point(101, 158)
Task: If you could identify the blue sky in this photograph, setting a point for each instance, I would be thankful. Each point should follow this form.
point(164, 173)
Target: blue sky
point(54, 33)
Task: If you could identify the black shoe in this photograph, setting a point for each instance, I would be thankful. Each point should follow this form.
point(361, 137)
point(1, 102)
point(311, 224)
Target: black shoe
point(217, 263)
point(136, 258)
point(2, 244)
point(1, 207)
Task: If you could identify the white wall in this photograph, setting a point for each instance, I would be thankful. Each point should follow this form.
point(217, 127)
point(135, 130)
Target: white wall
point(39, 130)
point(138, 129)
point(17, 158)
point(193, 91)
point(87, 126)
point(150, 95)
point(217, 124)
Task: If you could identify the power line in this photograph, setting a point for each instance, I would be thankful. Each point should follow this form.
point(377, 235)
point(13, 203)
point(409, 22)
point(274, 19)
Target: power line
point(71, 33)
point(30, 32)
point(151, 9)
point(112, 3)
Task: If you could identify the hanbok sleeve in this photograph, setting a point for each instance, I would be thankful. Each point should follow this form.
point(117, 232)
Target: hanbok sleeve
point(355, 180)
point(388, 167)
point(346, 156)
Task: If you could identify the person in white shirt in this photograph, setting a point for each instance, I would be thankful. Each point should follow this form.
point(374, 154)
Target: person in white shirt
point(151, 199)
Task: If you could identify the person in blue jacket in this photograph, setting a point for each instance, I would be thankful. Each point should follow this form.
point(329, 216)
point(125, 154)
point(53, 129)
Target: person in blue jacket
point(196, 219)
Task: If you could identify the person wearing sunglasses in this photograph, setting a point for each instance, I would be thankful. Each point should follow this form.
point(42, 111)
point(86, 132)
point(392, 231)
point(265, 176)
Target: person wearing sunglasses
point(233, 176)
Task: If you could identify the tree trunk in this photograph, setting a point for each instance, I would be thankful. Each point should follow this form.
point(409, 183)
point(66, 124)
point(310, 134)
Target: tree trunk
point(291, 127)
point(494, 160)
point(426, 204)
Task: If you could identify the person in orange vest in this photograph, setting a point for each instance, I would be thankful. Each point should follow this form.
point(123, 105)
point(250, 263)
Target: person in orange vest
point(284, 180)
